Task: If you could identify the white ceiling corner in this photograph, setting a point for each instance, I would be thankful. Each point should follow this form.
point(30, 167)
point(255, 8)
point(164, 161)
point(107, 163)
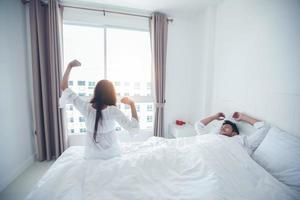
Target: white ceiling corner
point(167, 6)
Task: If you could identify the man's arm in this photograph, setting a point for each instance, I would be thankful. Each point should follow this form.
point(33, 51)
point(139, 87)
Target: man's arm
point(199, 125)
point(243, 117)
point(217, 116)
point(257, 137)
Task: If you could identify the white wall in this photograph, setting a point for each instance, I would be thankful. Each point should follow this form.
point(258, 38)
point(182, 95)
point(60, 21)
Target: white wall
point(184, 88)
point(256, 61)
point(16, 143)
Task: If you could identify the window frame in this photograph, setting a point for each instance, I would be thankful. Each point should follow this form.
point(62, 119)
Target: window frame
point(138, 99)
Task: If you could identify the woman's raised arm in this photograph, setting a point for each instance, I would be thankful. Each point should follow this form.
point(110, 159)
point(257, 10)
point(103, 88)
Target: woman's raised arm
point(130, 102)
point(64, 81)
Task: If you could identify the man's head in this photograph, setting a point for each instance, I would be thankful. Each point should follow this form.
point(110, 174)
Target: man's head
point(229, 129)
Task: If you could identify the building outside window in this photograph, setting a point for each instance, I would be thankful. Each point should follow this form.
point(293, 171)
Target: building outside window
point(81, 119)
point(81, 83)
point(149, 118)
point(82, 130)
point(92, 85)
point(149, 107)
point(71, 119)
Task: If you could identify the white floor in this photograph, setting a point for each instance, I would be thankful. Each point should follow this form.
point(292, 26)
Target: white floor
point(20, 187)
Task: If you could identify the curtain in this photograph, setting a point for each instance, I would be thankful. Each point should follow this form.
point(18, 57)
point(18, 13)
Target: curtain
point(46, 45)
point(159, 36)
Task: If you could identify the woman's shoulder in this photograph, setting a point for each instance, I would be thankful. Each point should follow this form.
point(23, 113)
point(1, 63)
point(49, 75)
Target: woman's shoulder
point(111, 108)
point(112, 111)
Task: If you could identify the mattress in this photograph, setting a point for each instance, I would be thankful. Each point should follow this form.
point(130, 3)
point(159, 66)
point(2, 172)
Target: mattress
point(201, 167)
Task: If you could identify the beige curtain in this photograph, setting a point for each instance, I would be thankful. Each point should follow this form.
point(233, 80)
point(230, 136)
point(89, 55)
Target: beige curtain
point(46, 44)
point(159, 35)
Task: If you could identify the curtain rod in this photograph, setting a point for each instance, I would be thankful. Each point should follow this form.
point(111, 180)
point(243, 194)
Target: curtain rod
point(99, 10)
point(109, 11)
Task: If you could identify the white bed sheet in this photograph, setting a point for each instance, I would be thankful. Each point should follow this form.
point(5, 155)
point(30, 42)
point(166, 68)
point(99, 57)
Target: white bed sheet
point(201, 167)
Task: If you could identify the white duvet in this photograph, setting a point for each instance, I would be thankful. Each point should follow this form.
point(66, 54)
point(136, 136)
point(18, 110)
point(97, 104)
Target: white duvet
point(202, 167)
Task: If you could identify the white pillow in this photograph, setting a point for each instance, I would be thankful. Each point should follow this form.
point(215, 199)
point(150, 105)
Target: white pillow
point(279, 154)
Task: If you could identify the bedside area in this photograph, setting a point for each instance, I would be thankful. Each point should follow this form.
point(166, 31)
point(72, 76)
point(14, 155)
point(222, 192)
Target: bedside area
point(178, 131)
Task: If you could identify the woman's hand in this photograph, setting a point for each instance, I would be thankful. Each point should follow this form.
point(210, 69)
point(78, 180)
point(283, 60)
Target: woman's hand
point(219, 116)
point(74, 63)
point(130, 102)
point(127, 101)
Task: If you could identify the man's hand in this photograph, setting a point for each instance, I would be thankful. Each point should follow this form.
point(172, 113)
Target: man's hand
point(219, 116)
point(74, 63)
point(238, 116)
point(243, 117)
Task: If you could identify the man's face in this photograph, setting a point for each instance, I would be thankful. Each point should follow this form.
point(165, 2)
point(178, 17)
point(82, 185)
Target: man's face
point(227, 130)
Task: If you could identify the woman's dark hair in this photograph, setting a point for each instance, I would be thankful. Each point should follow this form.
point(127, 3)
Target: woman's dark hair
point(233, 125)
point(104, 95)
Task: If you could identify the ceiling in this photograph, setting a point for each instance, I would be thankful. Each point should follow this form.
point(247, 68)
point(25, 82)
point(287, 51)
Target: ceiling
point(168, 6)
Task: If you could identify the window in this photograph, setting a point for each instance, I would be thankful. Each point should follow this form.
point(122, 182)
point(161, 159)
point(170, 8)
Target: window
point(122, 56)
point(92, 84)
point(82, 130)
point(129, 60)
point(70, 83)
point(149, 107)
point(137, 108)
point(70, 108)
point(81, 119)
point(149, 118)
point(81, 83)
point(71, 120)
point(88, 49)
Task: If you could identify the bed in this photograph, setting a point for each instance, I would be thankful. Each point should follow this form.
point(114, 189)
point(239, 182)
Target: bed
point(202, 167)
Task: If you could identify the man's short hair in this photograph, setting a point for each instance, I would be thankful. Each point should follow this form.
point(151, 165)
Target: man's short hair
point(233, 125)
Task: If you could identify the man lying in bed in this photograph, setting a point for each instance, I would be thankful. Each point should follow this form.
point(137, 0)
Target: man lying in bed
point(230, 129)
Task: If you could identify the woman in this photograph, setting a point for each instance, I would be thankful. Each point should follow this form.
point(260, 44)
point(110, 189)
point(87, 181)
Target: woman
point(101, 114)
